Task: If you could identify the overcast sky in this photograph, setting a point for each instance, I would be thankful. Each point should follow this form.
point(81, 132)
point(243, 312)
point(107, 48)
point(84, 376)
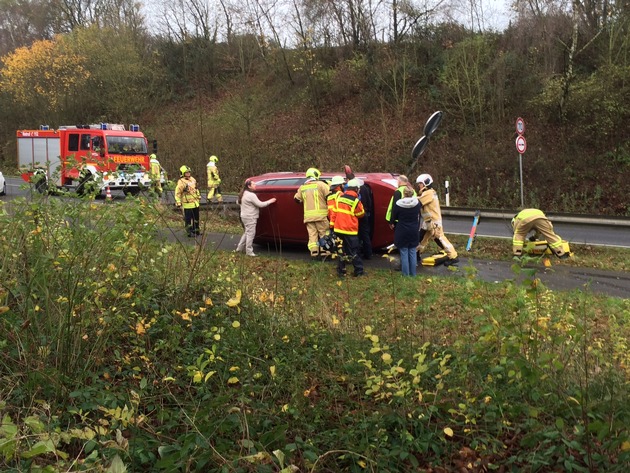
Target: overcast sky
point(496, 13)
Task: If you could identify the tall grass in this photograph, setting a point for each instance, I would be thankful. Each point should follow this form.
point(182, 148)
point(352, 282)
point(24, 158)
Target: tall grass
point(121, 350)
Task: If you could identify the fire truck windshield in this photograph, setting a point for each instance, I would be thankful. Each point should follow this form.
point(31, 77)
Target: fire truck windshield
point(126, 145)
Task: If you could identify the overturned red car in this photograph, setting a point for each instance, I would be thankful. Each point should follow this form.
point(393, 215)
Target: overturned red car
point(282, 223)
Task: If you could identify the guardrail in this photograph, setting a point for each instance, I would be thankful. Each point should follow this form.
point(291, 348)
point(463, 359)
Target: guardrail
point(554, 217)
point(499, 214)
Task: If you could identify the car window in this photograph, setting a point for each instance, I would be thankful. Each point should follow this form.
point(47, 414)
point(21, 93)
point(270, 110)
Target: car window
point(284, 182)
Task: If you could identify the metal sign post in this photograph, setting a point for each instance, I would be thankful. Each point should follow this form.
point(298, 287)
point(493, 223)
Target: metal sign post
point(521, 146)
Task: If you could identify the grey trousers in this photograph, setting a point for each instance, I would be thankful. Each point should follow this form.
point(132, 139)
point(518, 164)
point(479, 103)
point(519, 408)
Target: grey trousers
point(247, 240)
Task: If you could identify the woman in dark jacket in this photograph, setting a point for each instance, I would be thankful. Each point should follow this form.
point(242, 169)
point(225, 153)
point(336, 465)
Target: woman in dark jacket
point(406, 215)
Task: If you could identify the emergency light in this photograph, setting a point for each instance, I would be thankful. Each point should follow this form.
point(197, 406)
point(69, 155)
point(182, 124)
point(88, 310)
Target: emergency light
point(103, 126)
point(134, 127)
point(44, 127)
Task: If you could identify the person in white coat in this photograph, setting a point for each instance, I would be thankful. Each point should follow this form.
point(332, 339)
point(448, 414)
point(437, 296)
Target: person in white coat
point(250, 210)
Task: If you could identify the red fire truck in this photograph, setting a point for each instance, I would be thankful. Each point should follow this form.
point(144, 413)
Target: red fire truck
point(85, 158)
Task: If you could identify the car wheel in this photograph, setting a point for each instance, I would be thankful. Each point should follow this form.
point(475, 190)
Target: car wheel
point(41, 186)
point(131, 191)
point(87, 186)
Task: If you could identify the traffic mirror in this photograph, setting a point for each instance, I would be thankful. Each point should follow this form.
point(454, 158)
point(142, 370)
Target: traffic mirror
point(419, 148)
point(432, 123)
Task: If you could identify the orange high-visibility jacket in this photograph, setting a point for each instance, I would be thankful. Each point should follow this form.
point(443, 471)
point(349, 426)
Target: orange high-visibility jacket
point(348, 211)
point(332, 203)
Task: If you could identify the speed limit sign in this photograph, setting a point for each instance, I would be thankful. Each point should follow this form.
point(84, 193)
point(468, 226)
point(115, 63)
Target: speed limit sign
point(521, 144)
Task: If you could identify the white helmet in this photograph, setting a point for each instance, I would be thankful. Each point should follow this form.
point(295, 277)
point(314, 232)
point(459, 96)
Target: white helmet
point(337, 181)
point(425, 179)
point(354, 184)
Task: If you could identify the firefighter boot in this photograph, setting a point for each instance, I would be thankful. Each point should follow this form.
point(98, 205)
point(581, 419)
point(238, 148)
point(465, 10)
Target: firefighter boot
point(451, 262)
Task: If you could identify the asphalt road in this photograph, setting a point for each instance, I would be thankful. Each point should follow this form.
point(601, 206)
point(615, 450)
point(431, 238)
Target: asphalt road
point(556, 277)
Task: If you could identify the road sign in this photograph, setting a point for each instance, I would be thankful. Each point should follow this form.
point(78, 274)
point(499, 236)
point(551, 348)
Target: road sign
point(521, 144)
point(520, 126)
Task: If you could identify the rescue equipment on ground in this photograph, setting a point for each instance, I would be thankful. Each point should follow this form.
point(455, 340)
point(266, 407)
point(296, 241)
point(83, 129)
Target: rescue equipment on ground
point(541, 247)
point(331, 244)
point(435, 260)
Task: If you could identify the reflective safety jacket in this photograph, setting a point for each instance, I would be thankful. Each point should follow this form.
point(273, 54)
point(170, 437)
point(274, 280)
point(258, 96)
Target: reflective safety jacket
point(529, 220)
point(430, 212)
point(155, 170)
point(313, 195)
point(213, 174)
point(186, 193)
point(398, 194)
point(332, 203)
point(348, 211)
point(526, 216)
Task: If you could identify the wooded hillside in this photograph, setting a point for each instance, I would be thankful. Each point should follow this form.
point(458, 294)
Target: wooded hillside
point(286, 86)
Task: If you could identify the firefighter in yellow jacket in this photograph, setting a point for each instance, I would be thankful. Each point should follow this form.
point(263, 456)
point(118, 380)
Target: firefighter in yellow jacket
point(534, 220)
point(155, 172)
point(187, 196)
point(431, 227)
point(312, 194)
point(214, 180)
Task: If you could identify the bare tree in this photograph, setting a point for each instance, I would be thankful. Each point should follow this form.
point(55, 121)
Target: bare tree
point(22, 22)
point(407, 15)
point(183, 19)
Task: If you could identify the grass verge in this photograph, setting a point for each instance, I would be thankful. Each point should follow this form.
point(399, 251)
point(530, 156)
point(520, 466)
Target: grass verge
point(122, 352)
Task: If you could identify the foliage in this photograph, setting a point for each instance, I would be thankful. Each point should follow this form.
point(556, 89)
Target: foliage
point(43, 76)
point(339, 90)
point(121, 351)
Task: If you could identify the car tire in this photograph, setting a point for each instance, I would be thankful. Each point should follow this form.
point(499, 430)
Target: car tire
point(133, 191)
point(41, 186)
point(86, 186)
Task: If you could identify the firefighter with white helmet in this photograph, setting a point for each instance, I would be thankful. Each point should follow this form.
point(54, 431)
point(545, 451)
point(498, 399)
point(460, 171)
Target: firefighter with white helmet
point(214, 180)
point(348, 211)
point(155, 171)
point(312, 195)
point(431, 227)
point(336, 189)
point(187, 196)
point(534, 221)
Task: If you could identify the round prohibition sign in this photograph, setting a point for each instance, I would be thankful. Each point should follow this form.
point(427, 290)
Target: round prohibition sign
point(520, 126)
point(521, 144)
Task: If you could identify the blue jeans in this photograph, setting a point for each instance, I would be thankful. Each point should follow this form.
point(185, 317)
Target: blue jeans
point(408, 261)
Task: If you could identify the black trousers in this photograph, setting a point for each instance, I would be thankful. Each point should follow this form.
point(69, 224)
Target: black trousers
point(191, 219)
point(365, 242)
point(350, 254)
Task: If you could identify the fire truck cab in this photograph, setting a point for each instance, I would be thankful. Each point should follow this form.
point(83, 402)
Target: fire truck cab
point(85, 158)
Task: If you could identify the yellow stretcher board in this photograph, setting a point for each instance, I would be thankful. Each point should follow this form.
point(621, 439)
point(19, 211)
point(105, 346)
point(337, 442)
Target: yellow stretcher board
point(541, 247)
point(435, 260)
